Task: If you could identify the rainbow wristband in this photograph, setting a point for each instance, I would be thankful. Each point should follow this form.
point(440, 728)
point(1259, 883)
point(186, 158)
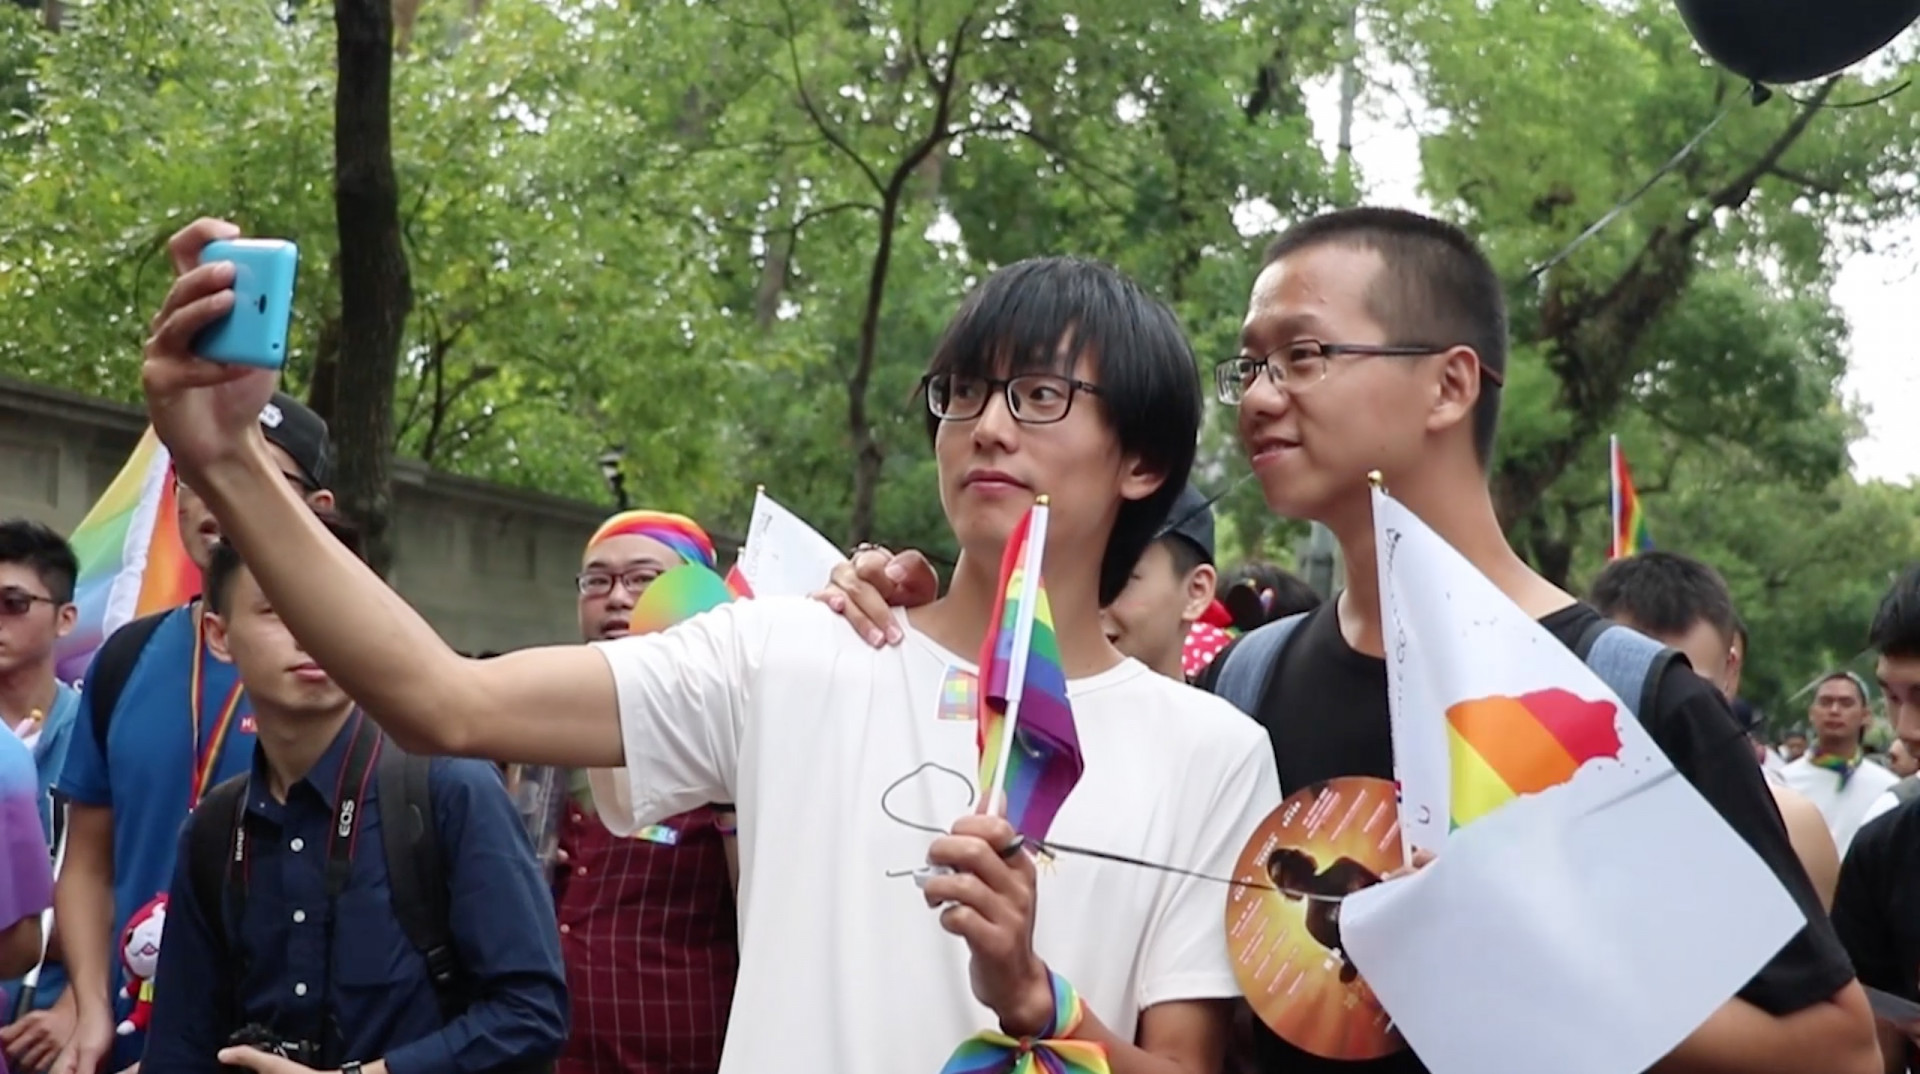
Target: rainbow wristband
point(993, 1052)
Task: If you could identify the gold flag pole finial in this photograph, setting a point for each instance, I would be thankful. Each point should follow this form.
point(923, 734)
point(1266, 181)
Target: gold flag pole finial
point(1040, 500)
point(1378, 482)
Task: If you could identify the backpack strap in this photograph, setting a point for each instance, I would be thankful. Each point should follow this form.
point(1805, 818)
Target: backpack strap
point(1246, 667)
point(416, 873)
point(112, 667)
point(210, 832)
point(1629, 662)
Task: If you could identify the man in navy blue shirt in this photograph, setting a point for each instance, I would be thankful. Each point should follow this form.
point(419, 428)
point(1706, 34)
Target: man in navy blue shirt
point(340, 973)
point(181, 725)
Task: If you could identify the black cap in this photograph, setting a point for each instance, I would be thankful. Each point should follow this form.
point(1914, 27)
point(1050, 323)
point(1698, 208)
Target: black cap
point(1191, 520)
point(293, 428)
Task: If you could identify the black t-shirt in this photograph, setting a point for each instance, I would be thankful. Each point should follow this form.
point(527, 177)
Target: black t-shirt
point(1326, 711)
point(1876, 909)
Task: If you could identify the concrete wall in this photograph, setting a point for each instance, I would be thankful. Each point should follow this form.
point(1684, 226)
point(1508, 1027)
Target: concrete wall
point(491, 567)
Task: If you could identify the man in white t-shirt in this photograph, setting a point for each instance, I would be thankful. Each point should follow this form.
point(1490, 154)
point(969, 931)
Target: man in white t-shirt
point(1056, 376)
point(1835, 773)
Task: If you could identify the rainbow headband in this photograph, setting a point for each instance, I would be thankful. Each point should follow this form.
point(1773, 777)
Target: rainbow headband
point(677, 532)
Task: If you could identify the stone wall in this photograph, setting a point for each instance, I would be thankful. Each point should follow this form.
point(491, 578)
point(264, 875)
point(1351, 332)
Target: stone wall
point(490, 567)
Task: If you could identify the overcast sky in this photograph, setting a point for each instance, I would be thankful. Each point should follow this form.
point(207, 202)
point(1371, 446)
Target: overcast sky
point(1878, 294)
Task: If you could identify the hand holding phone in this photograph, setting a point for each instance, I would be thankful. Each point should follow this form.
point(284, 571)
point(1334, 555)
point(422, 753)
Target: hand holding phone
point(255, 331)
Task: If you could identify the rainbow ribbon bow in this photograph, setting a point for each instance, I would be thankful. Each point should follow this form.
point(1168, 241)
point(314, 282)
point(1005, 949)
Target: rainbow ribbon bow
point(993, 1052)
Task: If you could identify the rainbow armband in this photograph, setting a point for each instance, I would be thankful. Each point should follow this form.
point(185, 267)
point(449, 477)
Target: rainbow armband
point(993, 1052)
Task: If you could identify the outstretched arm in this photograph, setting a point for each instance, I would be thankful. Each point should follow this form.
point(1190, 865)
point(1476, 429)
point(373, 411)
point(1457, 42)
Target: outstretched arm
point(377, 647)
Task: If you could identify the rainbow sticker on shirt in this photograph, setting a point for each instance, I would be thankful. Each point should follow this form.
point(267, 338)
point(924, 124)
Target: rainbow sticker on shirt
point(957, 695)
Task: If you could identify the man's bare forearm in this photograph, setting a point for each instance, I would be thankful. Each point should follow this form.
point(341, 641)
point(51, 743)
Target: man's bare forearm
point(376, 647)
point(1832, 1037)
point(387, 658)
point(83, 903)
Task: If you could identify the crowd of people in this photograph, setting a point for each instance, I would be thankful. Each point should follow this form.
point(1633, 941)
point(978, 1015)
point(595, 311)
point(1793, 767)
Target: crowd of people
point(275, 828)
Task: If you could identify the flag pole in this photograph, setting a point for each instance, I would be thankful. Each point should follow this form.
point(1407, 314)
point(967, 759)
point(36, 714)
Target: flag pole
point(993, 797)
point(1613, 496)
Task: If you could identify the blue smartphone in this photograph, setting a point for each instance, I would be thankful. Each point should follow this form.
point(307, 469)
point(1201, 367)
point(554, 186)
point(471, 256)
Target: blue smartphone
point(255, 331)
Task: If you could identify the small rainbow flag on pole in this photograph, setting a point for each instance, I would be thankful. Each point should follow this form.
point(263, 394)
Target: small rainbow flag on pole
point(1029, 750)
point(1630, 533)
point(131, 560)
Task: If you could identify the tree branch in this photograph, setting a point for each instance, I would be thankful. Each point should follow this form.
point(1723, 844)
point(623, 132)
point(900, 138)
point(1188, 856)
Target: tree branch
point(820, 123)
point(1805, 182)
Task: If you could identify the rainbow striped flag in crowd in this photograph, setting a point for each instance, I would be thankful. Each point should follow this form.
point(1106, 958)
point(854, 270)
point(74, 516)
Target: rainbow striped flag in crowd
point(1630, 532)
point(131, 560)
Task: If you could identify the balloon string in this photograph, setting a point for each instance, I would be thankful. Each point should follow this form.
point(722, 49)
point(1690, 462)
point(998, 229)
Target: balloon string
point(1875, 99)
point(1051, 847)
point(1614, 213)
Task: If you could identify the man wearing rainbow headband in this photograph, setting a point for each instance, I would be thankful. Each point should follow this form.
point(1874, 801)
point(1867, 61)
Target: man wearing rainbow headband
point(647, 922)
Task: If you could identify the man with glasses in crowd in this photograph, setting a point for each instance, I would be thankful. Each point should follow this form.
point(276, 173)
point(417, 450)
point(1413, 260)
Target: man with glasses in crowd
point(38, 571)
point(1056, 377)
point(1376, 340)
point(647, 920)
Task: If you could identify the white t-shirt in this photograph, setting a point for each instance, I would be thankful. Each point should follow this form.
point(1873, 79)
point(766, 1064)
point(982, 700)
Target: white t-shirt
point(1846, 809)
point(780, 708)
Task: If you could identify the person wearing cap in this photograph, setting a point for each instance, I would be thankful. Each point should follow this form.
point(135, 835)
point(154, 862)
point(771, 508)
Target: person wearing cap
point(180, 725)
point(1170, 590)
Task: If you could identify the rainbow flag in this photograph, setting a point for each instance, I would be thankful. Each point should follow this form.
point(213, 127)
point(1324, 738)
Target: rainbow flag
point(1504, 747)
point(1024, 693)
point(1630, 533)
point(131, 560)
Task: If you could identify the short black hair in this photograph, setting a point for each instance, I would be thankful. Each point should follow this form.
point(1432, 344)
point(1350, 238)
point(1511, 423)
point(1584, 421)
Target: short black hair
point(1435, 286)
point(37, 547)
point(1042, 315)
point(1896, 625)
point(1665, 593)
point(225, 563)
point(1859, 687)
point(1242, 588)
point(1185, 554)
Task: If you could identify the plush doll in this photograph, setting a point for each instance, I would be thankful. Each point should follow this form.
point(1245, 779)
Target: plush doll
point(140, 953)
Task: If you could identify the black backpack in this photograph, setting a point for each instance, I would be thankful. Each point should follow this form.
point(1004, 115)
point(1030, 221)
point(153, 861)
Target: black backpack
point(112, 667)
point(416, 872)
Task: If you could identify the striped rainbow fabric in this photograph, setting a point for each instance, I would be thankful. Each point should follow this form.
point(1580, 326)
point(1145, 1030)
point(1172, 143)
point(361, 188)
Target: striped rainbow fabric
point(131, 560)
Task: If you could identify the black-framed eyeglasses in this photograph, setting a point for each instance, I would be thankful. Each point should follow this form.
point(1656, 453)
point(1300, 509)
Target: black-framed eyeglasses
point(1304, 362)
point(634, 580)
point(16, 602)
point(1032, 398)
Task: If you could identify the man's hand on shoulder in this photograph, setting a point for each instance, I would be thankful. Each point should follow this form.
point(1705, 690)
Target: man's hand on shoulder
point(865, 588)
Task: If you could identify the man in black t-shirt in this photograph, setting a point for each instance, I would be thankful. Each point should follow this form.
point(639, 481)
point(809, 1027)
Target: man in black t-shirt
point(1877, 909)
point(1376, 340)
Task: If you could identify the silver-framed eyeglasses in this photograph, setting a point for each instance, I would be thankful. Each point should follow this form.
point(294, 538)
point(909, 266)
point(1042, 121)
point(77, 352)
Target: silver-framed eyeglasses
point(1305, 362)
point(1032, 398)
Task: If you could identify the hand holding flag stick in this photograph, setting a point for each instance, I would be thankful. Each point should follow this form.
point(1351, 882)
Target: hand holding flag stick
point(1027, 769)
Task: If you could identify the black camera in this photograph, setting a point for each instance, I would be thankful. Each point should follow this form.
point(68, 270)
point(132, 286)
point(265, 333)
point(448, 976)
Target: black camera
point(305, 1053)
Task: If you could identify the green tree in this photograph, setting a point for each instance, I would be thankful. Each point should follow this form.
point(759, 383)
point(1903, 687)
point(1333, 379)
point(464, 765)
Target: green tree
point(1704, 305)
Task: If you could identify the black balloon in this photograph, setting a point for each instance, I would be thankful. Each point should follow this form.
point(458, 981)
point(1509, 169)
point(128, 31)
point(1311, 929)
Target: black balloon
point(1781, 41)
